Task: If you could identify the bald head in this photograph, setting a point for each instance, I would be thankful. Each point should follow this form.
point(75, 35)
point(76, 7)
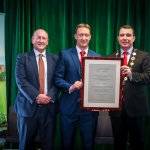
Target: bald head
point(40, 40)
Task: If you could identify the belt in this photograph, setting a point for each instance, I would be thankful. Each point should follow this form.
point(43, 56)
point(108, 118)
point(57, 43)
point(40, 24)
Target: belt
point(40, 104)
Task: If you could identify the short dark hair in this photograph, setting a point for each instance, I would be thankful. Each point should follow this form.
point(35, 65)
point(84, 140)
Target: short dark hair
point(127, 27)
point(82, 25)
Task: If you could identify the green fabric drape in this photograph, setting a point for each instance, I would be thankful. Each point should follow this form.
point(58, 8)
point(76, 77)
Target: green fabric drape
point(60, 17)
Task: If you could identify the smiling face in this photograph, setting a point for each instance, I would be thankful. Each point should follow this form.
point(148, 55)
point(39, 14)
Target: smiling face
point(82, 37)
point(40, 40)
point(126, 38)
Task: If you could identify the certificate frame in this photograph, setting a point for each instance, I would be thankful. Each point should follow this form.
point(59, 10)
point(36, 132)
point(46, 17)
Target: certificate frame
point(102, 83)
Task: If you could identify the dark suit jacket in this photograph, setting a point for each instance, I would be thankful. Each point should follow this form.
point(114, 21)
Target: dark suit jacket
point(26, 73)
point(136, 99)
point(68, 70)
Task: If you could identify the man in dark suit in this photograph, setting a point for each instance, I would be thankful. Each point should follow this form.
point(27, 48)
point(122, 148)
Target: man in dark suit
point(68, 78)
point(130, 121)
point(36, 109)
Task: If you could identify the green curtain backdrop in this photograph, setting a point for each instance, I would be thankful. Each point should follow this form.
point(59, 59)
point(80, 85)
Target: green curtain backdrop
point(59, 18)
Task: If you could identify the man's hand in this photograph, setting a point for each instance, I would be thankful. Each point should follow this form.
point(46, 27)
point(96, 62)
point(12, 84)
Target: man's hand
point(76, 86)
point(126, 71)
point(42, 99)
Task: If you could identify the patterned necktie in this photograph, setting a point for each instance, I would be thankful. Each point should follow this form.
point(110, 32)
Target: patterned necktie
point(41, 74)
point(125, 58)
point(82, 53)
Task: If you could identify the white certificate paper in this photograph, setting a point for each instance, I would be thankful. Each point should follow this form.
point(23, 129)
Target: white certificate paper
point(101, 83)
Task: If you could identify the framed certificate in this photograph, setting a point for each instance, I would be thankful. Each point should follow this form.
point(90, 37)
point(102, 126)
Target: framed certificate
point(102, 83)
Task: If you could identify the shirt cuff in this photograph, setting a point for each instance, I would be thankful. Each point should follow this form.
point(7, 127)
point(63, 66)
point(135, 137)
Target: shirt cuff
point(70, 89)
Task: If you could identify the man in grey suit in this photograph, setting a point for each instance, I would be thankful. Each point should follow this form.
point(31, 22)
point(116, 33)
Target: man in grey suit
point(131, 120)
point(68, 78)
point(35, 109)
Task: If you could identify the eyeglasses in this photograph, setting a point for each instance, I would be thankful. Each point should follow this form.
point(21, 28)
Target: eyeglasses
point(82, 35)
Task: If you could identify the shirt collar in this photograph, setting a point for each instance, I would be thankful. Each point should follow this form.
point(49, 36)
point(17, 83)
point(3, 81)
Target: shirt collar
point(37, 53)
point(129, 51)
point(79, 50)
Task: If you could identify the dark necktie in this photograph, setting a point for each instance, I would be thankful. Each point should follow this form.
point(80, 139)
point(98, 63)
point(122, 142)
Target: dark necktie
point(125, 58)
point(82, 53)
point(41, 74)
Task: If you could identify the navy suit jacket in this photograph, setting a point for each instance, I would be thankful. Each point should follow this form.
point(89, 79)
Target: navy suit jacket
point(26, 73)
point(68, 70)
point(134, 93)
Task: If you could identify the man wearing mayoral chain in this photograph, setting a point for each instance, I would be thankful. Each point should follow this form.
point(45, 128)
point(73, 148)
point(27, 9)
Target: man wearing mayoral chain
point(131, 120)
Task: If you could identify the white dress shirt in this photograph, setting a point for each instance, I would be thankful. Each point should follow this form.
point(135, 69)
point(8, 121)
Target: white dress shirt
point(128, 55)
point(45, 66)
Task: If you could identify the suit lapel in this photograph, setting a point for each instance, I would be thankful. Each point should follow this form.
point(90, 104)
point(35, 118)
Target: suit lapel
point(131, 57)
point(49, 67)
point(32, 59)
point(75, 58)
point(90, 53)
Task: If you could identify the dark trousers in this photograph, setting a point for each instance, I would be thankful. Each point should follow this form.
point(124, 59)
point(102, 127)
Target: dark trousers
point(28, 127)
point(124, 127)
point(85, 120)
